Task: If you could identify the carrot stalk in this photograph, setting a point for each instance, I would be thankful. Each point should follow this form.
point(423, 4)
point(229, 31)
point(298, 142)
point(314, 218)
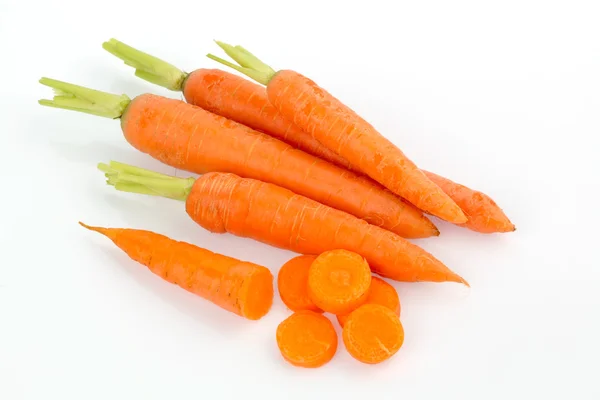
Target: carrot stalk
point(225, 202)
point(341, 130)
point(147, 67)
point(243, 288)
point(192, 139)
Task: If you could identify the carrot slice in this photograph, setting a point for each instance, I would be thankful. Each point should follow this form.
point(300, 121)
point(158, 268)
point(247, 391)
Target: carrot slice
point(292, 283)
point(307, 339)
point(380, 292)
point(373, 333)
point(338, 281)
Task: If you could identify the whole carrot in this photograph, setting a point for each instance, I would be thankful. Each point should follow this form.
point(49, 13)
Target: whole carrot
point(341, 130)
point(246, 102)
point(225, 94)
point(224, 202)
point(483, 213)
point(241, 287)
point(192, 139)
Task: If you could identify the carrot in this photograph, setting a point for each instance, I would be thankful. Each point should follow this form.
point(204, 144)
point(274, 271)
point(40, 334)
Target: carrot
point(225, 202)
point(192, 139)
point(341, 130)
point(484, 215)
point(307, 339)
point(338, 281)
point(373, 333)
point(225, 94)
point(240, 287)
point(292, 283)
point(380, 292)
point(246, 102)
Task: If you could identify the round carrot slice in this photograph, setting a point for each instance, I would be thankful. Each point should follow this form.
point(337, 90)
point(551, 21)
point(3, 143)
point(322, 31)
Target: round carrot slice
point(307, 339)
point(373, 333)
point(338, 281)
point(292, 283)
point(380, 292)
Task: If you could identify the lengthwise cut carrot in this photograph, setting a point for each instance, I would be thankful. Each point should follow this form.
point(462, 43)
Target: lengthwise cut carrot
point(292, 283)
point(338, 281)
point(307, 339)
point(241, 287)
point(382, 293)
point(484, 215)
point(342, 131)
point(225, 202)
point(192, 139)
point(246, 102)
point(373, 333)
point(225, 94)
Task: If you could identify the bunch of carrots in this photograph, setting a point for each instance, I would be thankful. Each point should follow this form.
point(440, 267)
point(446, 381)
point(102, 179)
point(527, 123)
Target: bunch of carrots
point(284, 162)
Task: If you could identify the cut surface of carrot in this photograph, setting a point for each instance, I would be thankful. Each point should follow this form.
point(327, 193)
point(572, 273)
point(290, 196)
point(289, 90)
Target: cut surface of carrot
point(338, 281)
point(380, 292)
point(292, 283)
point(307, 339)
point(373, 333)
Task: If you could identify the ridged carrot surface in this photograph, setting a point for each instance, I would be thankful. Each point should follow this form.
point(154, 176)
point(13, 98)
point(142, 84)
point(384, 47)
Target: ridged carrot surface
point(243, 288)
point(193, 139)
point(341, 130)
point(225, 202)
point(483, 214)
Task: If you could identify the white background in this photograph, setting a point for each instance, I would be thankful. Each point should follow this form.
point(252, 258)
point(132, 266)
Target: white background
point(502, 96)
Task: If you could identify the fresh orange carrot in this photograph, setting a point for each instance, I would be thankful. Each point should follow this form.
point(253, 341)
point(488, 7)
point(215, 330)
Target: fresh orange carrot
point(484, 215)
point(246, 102)
point(241, 287)
point(338, 281)
point(380, 292)
point(292, 283)
point(225, 202)
point(373, 333)
point(307, 339)
point(341, 130)
point(225, 94)
point(192, 139)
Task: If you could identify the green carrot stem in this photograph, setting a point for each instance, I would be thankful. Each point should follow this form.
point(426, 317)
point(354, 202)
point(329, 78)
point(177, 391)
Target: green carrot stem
point(77, 98)
point(249, 64)
point(147, 67)
point(128, 178)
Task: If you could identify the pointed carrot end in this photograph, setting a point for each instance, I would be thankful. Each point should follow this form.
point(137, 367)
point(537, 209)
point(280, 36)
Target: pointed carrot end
point(103, 231)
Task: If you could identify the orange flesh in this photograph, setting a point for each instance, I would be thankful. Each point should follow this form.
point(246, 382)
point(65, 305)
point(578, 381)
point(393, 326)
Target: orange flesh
point(307, 339)
point(382, 293)
point(338, 281)
point(373, 333)
point(292, 283)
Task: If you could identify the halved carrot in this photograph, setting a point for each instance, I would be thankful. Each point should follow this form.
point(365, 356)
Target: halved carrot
point(340, 129)
point(241, 287)
point(373, 333)
point(192, 139)
point(382, 293)
point(307, 339)
point(338, 281)
point(292, 283)
point(224, 202)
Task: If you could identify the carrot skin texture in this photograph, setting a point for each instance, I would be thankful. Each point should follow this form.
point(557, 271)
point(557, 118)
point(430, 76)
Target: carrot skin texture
point(190, 138)
point(243, 288)
point(341, 130)
point(246, 102)
point(224, 202)
point(484, 215)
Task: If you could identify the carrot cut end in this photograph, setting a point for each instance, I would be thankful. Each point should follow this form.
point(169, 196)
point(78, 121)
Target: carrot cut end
point(147, 67)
